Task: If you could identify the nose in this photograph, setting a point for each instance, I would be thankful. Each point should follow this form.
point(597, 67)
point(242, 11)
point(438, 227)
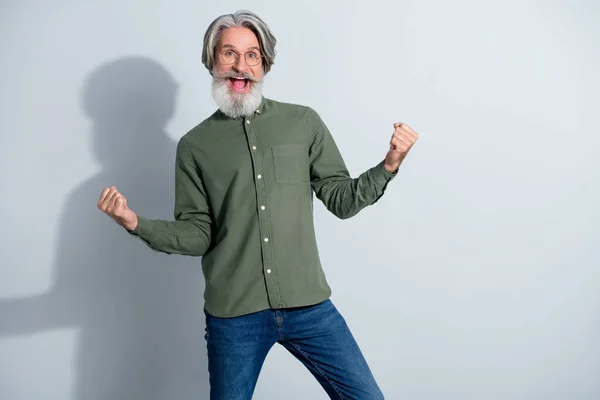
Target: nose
point(240, 64)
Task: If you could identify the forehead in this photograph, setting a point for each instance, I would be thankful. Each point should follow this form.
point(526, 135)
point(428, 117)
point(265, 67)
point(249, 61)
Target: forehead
point(239, 38)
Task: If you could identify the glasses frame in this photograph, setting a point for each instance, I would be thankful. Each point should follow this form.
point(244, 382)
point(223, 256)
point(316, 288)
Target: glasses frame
point(237, 57)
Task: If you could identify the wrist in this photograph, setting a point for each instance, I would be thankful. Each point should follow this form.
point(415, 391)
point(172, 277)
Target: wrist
point(392, 169)
point(131, 225)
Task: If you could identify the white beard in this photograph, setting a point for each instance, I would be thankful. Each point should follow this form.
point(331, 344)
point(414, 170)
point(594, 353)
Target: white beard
point(236, 105)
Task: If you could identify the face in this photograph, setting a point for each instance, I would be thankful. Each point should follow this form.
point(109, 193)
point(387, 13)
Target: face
point(238, 41)
point(237, 86)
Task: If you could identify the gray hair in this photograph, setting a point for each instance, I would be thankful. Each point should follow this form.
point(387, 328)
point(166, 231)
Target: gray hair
point(240, 19)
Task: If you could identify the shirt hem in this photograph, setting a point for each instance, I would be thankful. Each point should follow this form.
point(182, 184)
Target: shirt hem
point(259, 309)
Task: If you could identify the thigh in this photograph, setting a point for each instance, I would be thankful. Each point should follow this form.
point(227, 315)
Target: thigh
point(320, 338)
point(237, 348)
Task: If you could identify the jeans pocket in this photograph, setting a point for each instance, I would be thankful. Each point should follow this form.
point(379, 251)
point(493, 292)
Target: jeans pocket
point(291, 163)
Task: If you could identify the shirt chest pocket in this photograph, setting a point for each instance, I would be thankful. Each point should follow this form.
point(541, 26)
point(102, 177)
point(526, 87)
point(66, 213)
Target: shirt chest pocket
point(291, 163)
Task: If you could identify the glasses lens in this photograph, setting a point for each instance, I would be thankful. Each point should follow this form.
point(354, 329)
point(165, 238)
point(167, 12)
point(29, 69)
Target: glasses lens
point(228, 57)
point(252, 58)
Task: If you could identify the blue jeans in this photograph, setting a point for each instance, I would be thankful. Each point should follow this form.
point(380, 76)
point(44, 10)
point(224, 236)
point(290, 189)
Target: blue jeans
point(316, 335)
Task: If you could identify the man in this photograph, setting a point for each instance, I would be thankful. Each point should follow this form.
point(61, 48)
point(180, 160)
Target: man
point(245, 178)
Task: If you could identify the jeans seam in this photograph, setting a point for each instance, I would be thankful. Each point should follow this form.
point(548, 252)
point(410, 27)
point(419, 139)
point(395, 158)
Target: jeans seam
point(318, 369)
point(278, 324)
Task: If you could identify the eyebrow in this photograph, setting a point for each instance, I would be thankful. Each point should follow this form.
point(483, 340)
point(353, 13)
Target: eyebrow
point(230, 46)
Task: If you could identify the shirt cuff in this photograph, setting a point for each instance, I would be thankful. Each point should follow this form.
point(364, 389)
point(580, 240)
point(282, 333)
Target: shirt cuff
point(382, 176)
point(144, 229)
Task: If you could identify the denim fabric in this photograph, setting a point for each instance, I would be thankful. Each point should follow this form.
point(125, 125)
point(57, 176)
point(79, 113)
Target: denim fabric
point(316, 335)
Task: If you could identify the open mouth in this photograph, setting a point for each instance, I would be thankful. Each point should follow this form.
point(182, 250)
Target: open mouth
point(239, 85)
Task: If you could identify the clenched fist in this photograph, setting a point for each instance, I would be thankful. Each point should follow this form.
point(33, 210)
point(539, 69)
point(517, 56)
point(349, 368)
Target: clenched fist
point(114, 204)
point(402, 140)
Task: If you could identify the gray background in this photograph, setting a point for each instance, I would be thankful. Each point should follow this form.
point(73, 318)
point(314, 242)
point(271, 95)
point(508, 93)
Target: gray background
point(475, 277)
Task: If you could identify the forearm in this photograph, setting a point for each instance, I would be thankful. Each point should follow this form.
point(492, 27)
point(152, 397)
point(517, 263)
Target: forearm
point(186, 237)
point(345, 196)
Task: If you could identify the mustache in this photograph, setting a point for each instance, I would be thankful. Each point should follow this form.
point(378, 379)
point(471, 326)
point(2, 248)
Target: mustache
point(233, 74)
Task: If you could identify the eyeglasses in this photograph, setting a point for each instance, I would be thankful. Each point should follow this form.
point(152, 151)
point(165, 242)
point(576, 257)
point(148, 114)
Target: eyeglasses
point(230, 57)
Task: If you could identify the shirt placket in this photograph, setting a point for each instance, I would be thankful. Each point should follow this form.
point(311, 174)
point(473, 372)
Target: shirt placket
point(260, 185)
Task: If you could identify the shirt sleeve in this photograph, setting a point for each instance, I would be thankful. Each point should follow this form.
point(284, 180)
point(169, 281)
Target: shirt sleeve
point(190, 233)
point(343, 195)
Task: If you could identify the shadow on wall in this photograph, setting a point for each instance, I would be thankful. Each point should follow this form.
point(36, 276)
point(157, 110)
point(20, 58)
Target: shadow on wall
point(138, 312)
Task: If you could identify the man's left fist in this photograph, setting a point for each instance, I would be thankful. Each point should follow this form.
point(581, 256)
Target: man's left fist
point(402, 141)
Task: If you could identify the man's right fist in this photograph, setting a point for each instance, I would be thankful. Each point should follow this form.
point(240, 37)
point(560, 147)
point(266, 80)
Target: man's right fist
point(114, 204)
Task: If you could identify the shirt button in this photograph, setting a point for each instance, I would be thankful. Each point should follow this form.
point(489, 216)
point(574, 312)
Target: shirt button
point(268, 271)
point(247, 121)
point(253, 147)
point(266, 239)
point(262, 207)
point(259, 176)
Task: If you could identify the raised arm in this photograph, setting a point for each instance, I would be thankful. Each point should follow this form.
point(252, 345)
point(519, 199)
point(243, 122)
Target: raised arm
point(343, 195)
point(190, 232)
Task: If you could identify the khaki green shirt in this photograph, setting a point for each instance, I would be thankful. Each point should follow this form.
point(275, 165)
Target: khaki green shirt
point(244, 201)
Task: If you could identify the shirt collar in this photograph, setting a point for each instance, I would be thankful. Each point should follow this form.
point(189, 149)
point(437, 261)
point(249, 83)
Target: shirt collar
point(258, 111)
point(261, 107)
